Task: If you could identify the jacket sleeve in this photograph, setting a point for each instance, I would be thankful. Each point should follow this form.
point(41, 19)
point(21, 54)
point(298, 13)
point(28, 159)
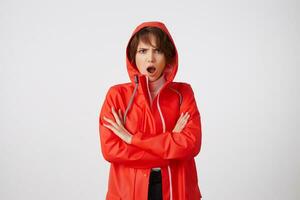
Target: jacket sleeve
point(169, 145)
point(116, 150)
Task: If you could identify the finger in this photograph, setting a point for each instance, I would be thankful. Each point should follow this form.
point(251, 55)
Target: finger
point(108, 126)
point(176, 127)
point(117, 132)
point(114, 124)
point(180, 128)
point(175, 130)
point(108, 120)
point(120, 115)
point(116, 116)
point(113, 129)
point(179, 121)
point(183, 124)
point(184, 120)
point(185, 117)
point(180, 117)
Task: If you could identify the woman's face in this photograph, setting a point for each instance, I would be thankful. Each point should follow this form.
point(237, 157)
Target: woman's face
point(150, 60)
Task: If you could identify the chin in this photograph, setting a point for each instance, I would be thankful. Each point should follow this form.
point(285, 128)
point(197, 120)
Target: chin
point(153, 79)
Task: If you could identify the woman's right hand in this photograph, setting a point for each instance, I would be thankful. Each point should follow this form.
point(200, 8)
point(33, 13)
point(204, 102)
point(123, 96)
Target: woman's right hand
point(181, 122)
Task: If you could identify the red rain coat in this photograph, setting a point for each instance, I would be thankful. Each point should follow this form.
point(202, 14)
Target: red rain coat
point(153, 143)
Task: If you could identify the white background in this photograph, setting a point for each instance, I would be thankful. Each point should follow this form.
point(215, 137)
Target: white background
point(58, 58)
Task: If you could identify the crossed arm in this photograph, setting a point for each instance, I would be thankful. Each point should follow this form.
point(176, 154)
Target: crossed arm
point(143, 151)
point(118, 128)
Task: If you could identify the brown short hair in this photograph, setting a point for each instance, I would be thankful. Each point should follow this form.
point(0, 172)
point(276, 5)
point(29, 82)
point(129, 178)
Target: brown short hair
point(162, 40)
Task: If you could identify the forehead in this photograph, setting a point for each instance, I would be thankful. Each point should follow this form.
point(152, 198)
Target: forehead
point(148, 40)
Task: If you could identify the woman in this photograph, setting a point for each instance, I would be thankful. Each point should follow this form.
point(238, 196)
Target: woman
point(150, 128)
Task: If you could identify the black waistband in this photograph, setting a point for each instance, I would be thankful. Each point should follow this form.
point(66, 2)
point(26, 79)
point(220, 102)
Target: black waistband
point(155, 177)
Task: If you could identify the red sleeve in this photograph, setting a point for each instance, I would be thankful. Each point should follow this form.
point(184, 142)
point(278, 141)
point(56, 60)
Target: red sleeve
point(181, 145)
point(116, 150)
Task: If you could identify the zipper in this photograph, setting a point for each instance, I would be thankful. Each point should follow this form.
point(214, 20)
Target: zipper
point(161, 115)
point(164, 128)
point(149, 94)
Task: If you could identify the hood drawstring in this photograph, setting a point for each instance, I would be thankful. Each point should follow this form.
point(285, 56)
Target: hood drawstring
point(136, 81)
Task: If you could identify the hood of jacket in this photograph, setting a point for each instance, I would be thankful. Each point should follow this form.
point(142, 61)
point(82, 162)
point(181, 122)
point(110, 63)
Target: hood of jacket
point(170, 69)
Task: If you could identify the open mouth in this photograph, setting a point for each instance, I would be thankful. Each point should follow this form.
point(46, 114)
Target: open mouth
point(151, 69)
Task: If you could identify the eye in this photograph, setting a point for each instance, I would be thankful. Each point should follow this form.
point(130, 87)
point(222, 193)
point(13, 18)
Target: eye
point(142, 51)
point(158, 51)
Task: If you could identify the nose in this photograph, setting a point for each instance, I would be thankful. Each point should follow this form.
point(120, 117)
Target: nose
point(150, 56)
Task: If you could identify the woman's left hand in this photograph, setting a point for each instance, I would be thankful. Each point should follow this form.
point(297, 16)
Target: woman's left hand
point(117, 126)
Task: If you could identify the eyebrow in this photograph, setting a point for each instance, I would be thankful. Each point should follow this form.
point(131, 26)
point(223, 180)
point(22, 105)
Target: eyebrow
point(145, 48)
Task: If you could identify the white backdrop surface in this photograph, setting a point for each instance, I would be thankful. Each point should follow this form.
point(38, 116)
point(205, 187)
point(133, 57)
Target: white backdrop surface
point(58, 59)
